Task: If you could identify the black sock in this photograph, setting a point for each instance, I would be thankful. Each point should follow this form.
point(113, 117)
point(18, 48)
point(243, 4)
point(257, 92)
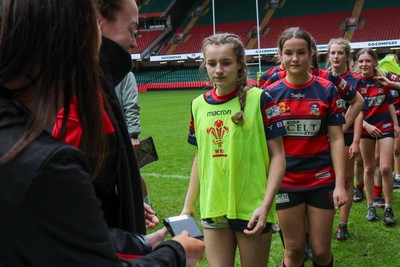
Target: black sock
point(283, 264)
point(314, 264)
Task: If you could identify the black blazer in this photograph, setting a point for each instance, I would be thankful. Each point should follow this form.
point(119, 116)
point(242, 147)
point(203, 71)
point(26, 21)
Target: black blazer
point(50, 215)
point(125, 209)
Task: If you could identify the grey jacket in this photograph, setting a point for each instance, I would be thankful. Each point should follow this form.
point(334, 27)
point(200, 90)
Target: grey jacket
point(127, 93)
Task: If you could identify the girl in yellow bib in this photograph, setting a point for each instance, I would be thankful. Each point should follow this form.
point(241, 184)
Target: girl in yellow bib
point(240, 161)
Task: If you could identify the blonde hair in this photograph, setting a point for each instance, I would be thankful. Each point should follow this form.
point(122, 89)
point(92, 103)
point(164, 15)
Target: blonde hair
point(347, 49)
point(369, 51)
point(239, 51)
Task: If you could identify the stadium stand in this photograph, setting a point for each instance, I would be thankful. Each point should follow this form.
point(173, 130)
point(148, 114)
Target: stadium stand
point(154, 8)
point(192, 44)
point(198, 33)
point(380, 24)
point(322, 21)
point(153, 26)
point(240, 24)
point(373, 4)
point(144, 38)
point(322, 27)
point(376, 20)
point(172, 78)
point(310, 7)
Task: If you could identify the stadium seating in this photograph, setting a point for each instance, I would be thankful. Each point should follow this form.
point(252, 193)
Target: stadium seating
point(198, 33)
point(238, 18)
point(311, 7)
point(193, 42)
point(154, 7)
point(164, 50)
point(144, 39)
point(380, 24)
point(167, 79)
point(322, 27)
point(170, 86)
point(181, 78)
point(324, 21)
point(373, 4)
point(228, 11)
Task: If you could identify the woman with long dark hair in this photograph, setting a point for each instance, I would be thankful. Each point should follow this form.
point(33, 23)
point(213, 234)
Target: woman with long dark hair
point(50, 213)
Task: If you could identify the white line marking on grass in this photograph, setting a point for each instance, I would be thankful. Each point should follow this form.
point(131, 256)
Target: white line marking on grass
point(166, 175)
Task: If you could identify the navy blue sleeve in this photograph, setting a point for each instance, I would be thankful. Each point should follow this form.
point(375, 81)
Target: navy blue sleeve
point(192, 135)
point(272, 116)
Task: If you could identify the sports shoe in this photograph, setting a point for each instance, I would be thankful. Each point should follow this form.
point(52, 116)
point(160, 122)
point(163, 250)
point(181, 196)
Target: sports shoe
point(379, 202)
point(358, 195)
point(371, 214)
point(388, 218)
point(396, 184)
point(342, 233)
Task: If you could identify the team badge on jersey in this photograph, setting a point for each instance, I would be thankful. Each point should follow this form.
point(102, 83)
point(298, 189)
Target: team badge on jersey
point(314, 110)
point(218, 132)
point(363, 90)
point(340, 103)
point(282, 198)
point(343, 84)
point(284, 108)
point(273, 112)
point(380, 90)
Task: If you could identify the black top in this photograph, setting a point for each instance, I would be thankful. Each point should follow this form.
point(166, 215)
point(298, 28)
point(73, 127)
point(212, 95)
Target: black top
point(50, 215)
point(123, 210)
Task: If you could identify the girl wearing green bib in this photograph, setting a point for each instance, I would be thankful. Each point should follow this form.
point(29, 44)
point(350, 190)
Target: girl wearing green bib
point(240, 161)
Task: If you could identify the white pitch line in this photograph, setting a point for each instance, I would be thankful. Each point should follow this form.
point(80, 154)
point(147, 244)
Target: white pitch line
point(166, 175)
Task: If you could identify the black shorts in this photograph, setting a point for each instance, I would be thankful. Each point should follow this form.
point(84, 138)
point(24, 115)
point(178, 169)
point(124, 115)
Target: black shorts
point(384, 135)
point(348, 139)
point(321, 198)
point(236, 225)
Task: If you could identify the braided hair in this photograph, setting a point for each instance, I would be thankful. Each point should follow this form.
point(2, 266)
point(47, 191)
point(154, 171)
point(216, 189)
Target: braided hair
point(347, 49)
point(239, 51)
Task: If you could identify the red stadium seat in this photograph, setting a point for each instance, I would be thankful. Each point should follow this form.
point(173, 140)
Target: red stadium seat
point(144, 39)
point(380, 24)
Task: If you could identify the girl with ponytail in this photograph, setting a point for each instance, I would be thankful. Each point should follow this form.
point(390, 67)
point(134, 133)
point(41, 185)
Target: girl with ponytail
point(239, 162)
point(313, 183)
